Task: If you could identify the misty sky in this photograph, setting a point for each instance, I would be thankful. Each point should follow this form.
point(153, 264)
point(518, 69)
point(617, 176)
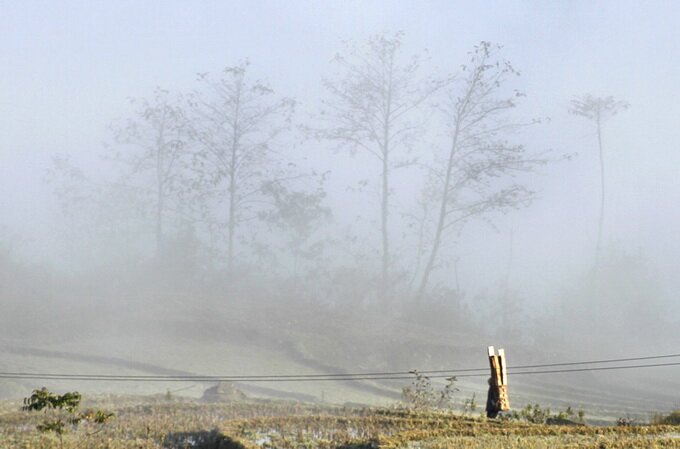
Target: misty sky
point(68, 69)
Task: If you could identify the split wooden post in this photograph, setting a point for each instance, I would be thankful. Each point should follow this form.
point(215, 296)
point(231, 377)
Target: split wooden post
point(499, 374)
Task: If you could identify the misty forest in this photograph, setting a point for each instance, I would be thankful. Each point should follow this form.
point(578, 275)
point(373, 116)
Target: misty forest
point(198, 201)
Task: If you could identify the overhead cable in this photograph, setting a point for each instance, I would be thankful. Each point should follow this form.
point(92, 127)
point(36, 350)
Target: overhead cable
point(293, 378)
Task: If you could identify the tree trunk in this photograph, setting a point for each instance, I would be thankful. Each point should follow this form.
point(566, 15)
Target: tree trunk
point(385, 203)
point(461, 111)
point(231, 226)
point(159, 223)
point(160, 191)
point(598, 248)
point(441, 221)
point(385, 233)
point(232, 179)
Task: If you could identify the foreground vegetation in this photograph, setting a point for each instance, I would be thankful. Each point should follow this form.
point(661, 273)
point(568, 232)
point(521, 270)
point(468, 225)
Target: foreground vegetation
point(171, 423)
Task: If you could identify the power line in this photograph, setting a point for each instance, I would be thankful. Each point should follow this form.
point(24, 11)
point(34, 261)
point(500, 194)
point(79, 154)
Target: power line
point(594, 362)
point(547, 365)
point(291, 378)
point(201, 379)
point(336, 376)
point(577, 370)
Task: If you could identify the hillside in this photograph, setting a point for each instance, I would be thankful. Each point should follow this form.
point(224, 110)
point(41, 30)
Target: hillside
point(204, 338)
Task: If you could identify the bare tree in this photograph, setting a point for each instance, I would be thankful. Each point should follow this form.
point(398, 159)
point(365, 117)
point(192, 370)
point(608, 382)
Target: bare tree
point(156, 151)
point(475, 174)
point(370, 108)
point(235, 123)
point(598, 110)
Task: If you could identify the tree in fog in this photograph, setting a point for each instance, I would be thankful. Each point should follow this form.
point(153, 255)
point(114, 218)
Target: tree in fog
point(155, 154)
point(598, 110)
point(298, 213)
point(235, 123)
point(370, 108)
point(474, 174)
point(105, 214)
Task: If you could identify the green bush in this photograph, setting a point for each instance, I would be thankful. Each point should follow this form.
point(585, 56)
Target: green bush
point(61, 412)
point(533, 413)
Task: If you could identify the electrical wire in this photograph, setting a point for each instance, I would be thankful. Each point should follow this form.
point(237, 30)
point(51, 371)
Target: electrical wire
point(293, 378)
point(449, 372)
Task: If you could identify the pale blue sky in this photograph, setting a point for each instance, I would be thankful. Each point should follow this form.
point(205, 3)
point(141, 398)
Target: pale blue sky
point(67, 68)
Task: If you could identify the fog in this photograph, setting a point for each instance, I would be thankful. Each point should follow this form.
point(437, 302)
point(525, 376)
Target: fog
point(200, 188)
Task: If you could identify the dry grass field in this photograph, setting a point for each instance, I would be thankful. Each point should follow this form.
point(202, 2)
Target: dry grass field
point(178, 423)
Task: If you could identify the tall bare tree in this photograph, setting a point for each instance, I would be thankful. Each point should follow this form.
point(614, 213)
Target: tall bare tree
point(235, 123)
point(474, 174)
point(155, 154)
point(370, 108)
point(598, 110)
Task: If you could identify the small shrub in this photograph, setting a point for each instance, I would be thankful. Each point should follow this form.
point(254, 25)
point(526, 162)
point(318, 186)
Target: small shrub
point(61, 412)
point(422, 395)
point(533, 413)
point(672, 418)
point(567, 417)
point(470, 405)
point(625, 422)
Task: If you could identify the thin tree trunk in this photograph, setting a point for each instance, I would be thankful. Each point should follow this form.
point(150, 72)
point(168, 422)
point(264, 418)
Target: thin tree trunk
point(231, 226)
point(460, 113)
point(160, 165)
point(385, 233)
point(385, 203)
point(598, 248)
point(232, 181)
point(441, 221)
point(159, 223)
